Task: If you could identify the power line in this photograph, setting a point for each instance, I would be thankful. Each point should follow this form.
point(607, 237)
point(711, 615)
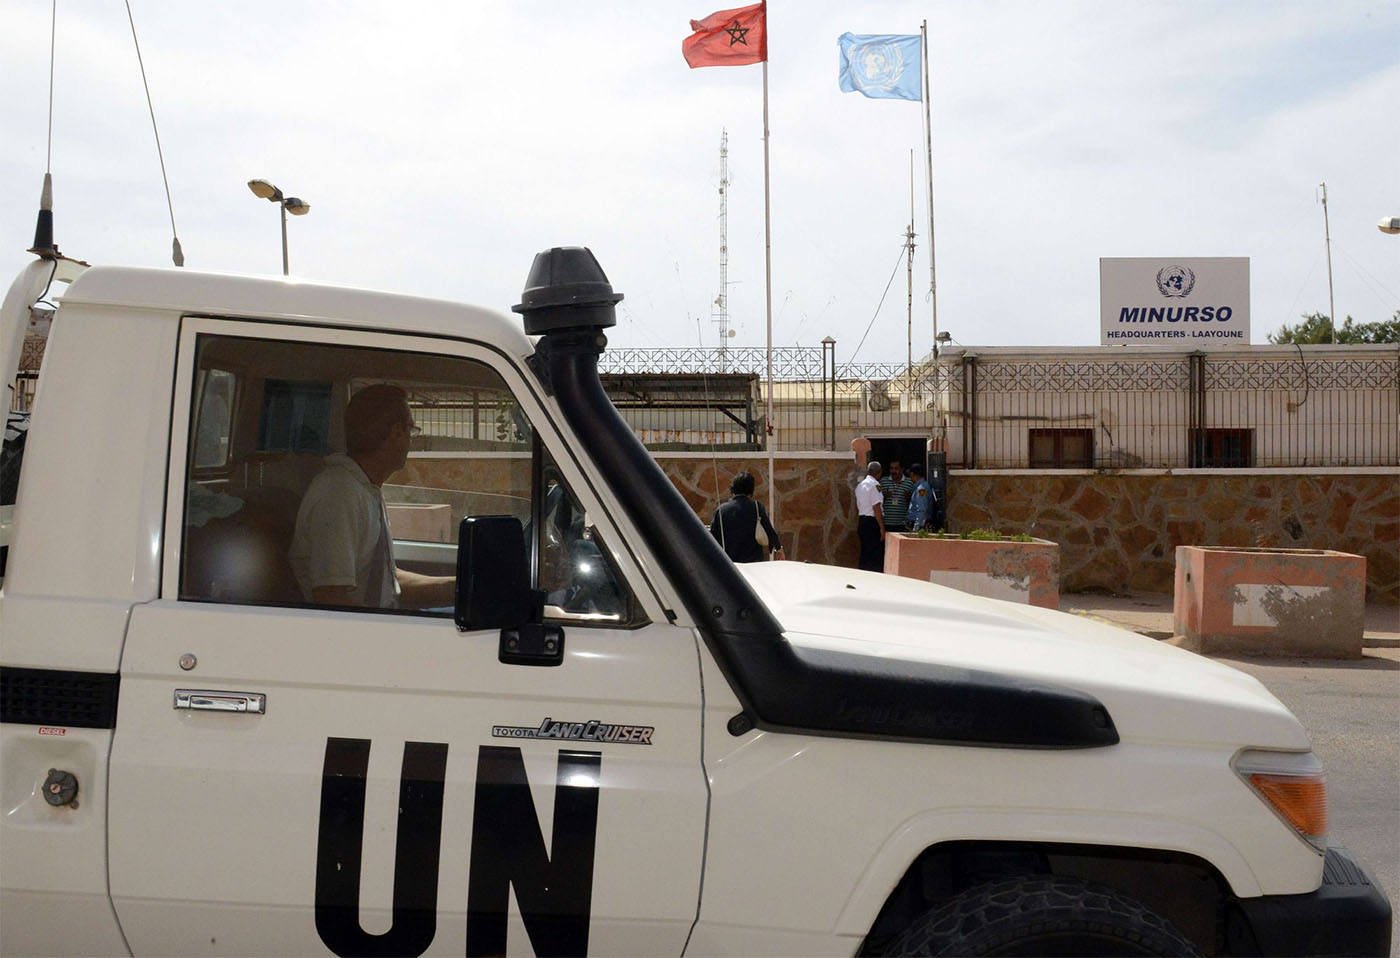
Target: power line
point(893, 273)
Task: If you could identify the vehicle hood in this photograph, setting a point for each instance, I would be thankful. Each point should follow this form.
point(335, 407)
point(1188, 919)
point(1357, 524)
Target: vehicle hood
point(1152, 690)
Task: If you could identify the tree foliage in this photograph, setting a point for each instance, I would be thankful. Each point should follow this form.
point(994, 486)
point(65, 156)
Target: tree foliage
point(1317, 328)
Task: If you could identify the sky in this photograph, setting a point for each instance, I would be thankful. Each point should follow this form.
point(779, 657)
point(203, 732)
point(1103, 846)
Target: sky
point(441, 145)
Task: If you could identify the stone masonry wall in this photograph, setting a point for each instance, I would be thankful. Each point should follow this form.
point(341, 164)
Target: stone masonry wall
point(815, 494)
point(1119, 531)
point(1115, 530)
point(816, 504)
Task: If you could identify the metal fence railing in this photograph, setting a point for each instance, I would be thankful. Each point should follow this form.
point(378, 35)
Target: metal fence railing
point(1267, 406)
point(1097, 407)
point(22, 400)
point(992, 408)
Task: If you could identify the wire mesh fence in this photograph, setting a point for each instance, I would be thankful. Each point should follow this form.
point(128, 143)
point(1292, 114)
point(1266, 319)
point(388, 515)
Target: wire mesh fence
point(1041, 409)
point(994, 408)
point(1270, 407)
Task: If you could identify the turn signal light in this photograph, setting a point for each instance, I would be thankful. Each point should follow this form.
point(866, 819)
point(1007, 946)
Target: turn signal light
point(1301, 801)
point(1293, 785)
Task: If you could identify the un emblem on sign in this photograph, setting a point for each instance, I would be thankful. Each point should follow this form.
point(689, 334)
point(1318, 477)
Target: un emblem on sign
point(1175, 282)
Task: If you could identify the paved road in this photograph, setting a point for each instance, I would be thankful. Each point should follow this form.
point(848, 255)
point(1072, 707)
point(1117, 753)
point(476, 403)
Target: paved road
point(1351, 710)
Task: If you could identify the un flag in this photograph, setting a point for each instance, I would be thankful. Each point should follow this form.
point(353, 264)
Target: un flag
point(883, 66)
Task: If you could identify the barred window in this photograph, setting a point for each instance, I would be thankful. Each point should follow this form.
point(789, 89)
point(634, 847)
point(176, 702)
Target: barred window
point(1062, 449)
point(1222, 448)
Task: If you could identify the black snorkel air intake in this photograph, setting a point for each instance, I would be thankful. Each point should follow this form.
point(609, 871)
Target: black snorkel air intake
point(569, 302)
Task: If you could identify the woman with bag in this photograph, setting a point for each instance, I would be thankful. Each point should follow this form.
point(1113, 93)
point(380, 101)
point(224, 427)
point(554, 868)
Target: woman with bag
point(741, 525)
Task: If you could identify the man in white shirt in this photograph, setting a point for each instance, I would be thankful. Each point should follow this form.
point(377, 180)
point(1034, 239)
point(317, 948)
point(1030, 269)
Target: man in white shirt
point(870, 520)
point(341, 551)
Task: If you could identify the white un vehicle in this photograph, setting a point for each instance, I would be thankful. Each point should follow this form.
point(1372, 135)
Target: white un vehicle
point(616, 741)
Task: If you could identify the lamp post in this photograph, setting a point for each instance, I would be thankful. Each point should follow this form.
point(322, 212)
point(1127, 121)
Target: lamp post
point(289, 204)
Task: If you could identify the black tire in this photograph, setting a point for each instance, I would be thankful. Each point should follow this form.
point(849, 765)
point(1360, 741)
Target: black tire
point(1040, 915)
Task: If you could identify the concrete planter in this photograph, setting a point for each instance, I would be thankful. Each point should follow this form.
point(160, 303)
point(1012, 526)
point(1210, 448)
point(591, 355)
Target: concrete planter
point(1300, 602)
point(1026, 572)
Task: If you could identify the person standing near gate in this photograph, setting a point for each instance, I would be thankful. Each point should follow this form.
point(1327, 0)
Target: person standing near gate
point(921, 500)
point(741, 525)
point(897, 489)
point(870, 520)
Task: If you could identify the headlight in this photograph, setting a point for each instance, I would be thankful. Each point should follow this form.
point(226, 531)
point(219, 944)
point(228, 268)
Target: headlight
point(1293, 785)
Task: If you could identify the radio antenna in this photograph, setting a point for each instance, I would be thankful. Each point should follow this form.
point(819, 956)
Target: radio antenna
point(43, 227)
point(176, 254)
point(1327, 234)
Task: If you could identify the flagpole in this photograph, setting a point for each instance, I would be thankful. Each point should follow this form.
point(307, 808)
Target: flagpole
point(932, 274)
point(768, 294)
point(909, 270)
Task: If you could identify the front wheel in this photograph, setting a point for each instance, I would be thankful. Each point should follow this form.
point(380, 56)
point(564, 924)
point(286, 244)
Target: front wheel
point(1040, 915)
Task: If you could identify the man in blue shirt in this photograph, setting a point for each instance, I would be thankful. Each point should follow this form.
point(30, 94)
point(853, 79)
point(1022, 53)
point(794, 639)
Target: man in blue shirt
point(921, 499)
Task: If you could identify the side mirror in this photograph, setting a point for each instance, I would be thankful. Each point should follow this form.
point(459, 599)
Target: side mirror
point(493, 574)
point(493, 591)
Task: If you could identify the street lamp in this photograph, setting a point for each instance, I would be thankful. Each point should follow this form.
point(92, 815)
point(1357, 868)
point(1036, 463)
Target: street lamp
point(289, 204)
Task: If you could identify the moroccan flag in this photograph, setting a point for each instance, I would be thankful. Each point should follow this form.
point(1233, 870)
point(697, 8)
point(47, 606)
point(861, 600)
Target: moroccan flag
point(729, 38)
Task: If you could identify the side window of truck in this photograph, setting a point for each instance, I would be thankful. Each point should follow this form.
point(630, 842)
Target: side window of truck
point(214, 410)
point(302, 453)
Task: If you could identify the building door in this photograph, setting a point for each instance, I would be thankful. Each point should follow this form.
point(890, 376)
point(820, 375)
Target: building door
point(906, 449)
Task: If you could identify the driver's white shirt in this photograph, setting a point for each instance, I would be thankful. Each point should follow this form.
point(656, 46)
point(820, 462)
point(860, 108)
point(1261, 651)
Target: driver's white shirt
point(342, 537)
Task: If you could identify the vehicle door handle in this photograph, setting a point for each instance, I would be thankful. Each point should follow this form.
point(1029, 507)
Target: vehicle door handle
point(208, 701)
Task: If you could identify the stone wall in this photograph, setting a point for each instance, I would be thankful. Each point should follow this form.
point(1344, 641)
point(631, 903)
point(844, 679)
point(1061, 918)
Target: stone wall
point(815, 498)
point(1121, 530)
point(1115, 530)
point(494, 475)
point(815, 492)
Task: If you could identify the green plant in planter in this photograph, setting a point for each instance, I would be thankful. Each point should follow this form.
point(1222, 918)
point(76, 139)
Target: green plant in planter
point(978, 535)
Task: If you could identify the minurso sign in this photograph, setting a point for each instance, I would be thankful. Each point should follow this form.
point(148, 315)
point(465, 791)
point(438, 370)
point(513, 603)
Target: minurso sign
point(1197, 301)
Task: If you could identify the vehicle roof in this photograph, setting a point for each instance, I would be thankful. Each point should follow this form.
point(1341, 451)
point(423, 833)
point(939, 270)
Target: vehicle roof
point(294, 300)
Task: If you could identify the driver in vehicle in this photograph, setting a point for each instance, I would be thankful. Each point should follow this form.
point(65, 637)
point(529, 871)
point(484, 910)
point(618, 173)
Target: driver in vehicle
point(342, 551)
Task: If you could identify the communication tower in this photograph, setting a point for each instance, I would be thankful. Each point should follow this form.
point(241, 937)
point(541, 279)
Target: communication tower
point(719, 314)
